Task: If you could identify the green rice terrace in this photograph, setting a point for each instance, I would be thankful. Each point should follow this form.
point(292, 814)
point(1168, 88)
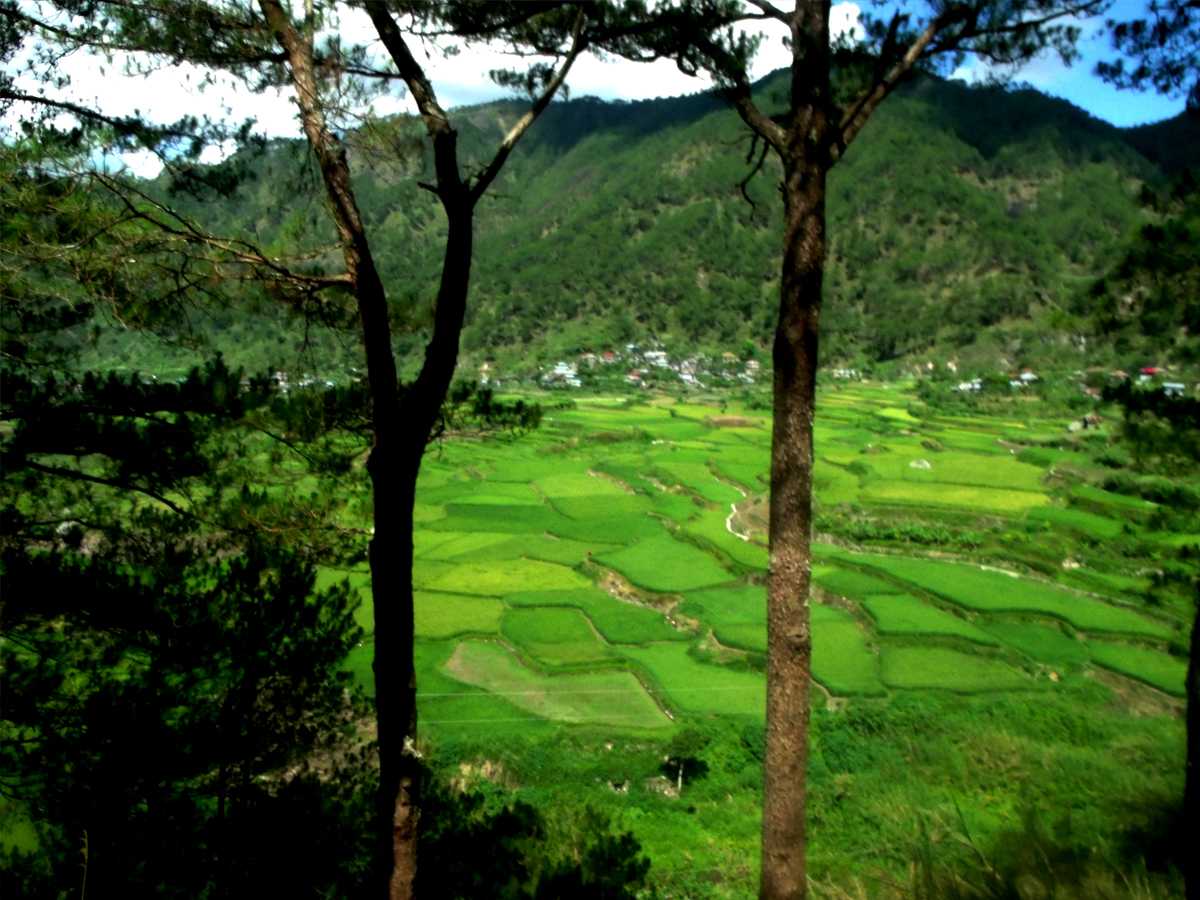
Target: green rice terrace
point(991, 648)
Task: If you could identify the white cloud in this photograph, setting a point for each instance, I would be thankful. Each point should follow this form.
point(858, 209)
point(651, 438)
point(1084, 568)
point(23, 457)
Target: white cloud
point(142, 163)
point(170, 92)
point(845, 19)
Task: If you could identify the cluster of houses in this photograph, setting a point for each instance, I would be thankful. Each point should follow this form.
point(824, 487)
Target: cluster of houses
point(1152, 373)
point(639, 367)
point(1018, 382)
point(284, 384)
point(643, 367)
point(1027, 378)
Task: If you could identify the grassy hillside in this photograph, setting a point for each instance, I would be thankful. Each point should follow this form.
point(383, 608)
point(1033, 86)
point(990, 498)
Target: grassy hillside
point(961, 213)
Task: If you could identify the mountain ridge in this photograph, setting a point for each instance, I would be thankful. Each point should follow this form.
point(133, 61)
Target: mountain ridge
point(961, 213)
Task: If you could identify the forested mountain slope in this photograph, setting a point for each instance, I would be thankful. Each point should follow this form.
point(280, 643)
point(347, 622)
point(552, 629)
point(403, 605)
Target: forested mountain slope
point(966, 220)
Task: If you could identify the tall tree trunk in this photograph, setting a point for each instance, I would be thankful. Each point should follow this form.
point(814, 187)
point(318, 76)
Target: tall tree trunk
point(789, 637)
point(393, 485)
point(402, 433)
point(1191, 784)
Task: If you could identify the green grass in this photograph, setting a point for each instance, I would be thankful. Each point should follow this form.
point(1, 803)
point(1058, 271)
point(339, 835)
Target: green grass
point(841, 660)
point(578, 484)
point(17, 830)
point(901, 614)
point(698, 477)
point(359, 581)
point(1117, 502)
point(605, 528)
point(467, 544)
point(1150, 666)
point(833, 484)
point(963, 439)
point(358, 663)
point(701, 688)
point(1180, 540)
point(1090, 524)
point(513, 518)
point(1041, 643)
point(896, 414)
point(910, 493)
point(938, 668)
point(851, 583)
point(503, 577)
point(664, 564)
point(618, 621)
point(709, 526)
point(447, 615)
point(752, 476)
point(477, 492)
point(500, 559)
point(990, 591)
point(1107, 582)
point(737, 615)
point(613, 698)
point(555, 636)
point(545, 547)
point(592, 506)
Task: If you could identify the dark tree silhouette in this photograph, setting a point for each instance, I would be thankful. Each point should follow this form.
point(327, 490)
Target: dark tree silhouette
point(1160, 51)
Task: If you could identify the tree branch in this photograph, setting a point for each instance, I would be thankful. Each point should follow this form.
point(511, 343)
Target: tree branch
point(75, 475)
point(940, 36)
point(435, 118)
point(123, 125)
point(488, 175)
point(239, 250)
point(854, 120)
point(770, 10)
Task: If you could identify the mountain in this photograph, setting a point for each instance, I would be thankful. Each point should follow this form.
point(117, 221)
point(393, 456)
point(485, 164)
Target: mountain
point(966, 221)
point(1170, 144)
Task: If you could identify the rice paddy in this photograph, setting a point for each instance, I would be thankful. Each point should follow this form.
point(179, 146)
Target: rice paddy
point(626, 541)
point(602, 582)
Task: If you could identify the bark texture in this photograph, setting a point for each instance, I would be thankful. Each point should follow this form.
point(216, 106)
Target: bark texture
point(804, 152)
point(1191, 785)
point(789, 637)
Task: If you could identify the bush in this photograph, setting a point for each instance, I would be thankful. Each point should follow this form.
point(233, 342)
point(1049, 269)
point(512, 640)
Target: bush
point(472, 846)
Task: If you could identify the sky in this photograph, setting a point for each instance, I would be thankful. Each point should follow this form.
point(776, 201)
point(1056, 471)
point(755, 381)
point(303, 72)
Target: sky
point(462, 79)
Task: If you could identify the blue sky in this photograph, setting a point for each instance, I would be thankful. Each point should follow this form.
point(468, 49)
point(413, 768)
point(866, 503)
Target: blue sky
point(1080, 86)
point(462, 79)
point(1077, 83)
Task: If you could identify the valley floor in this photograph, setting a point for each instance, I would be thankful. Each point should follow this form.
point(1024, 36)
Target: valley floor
point(991, 655)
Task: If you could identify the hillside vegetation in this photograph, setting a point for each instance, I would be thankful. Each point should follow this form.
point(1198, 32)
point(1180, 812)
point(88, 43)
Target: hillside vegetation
point(969, 221)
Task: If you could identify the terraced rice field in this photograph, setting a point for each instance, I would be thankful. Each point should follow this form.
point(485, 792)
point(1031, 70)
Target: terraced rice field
point(609, 569)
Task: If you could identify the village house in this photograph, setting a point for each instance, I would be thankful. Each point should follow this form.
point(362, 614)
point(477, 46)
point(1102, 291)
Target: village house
point(562, 375)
